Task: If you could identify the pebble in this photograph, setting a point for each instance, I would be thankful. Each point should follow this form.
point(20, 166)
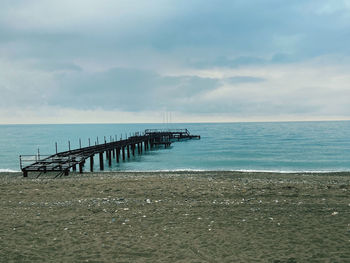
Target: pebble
point(334, 213)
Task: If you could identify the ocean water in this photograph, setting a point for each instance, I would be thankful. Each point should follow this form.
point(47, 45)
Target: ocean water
point(277, 146)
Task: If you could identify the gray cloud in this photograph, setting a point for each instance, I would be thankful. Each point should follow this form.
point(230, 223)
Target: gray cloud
point(128, 89)
point(244, 79)
point(224, 33)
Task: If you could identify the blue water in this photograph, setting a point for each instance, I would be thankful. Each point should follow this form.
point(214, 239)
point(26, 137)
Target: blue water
point(285, 146)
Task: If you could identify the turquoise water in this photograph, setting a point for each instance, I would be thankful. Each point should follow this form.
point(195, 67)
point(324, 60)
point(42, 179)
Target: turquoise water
point(288, 146)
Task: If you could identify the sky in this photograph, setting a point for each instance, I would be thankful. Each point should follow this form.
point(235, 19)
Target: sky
point(116, 61)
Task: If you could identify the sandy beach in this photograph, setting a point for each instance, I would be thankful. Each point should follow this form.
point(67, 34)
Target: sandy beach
point(175, 217)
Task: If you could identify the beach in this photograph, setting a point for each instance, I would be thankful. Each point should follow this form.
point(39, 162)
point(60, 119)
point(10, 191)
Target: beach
point(175, 217)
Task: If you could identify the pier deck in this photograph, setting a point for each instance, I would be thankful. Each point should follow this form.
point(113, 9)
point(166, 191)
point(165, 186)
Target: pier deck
point(63, 162)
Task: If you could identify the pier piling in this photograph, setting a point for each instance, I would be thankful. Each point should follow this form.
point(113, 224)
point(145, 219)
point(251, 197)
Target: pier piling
point(123, 152)
point(91, 163)
point(117, 154)
point(101, 161)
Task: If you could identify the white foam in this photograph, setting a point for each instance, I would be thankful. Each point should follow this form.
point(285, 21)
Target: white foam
point(289, 171)
point(234, 170)
point(9, 171)
point(160, 170)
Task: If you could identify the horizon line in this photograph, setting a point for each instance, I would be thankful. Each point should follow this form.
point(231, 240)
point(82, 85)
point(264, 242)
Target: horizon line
point(185, 122)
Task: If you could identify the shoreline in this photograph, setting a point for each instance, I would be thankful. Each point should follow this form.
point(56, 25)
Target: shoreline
point(184, 171)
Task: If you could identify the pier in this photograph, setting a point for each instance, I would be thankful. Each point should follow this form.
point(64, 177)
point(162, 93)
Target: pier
point(63, 162)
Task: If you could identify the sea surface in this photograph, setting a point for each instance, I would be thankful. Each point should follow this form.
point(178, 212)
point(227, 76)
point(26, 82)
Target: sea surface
point(273, 146)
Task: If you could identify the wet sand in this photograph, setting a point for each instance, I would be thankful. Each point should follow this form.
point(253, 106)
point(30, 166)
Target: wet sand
point(176, 217)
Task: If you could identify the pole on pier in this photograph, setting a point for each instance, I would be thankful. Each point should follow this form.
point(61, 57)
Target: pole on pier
point(69, 145)
point(56, 146)
point(101, 161)
point(79, 143)
point(91, 163)
point(97, 140)
point(38, 154)
point(89, 142)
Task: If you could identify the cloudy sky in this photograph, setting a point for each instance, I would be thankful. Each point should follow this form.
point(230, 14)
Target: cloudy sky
point(89, 61)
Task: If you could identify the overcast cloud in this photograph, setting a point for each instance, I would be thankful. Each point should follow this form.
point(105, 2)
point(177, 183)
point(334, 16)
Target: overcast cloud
point(201, 60)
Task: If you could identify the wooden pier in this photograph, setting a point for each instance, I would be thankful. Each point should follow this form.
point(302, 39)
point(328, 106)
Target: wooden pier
point(63, 162)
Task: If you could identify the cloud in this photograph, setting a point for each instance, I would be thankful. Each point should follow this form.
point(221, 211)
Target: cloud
point(228, 33)
point(128, 89)
point(244, 79)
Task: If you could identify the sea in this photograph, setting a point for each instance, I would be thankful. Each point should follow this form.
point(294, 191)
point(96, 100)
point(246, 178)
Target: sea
point(260, 146)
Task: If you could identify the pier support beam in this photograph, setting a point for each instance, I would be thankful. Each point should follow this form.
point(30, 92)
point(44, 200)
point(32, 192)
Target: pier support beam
point(109, 158)
point(123, 152)
point(74, 168)
point(101, 161)
point(81, 165)
point(25, 173)
point(107, 155)
point(91, 163)
point(128, 150)
point(117, 154)
point(133, 149)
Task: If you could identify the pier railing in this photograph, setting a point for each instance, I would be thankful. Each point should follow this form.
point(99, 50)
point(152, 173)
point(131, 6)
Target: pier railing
point(173, 131)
